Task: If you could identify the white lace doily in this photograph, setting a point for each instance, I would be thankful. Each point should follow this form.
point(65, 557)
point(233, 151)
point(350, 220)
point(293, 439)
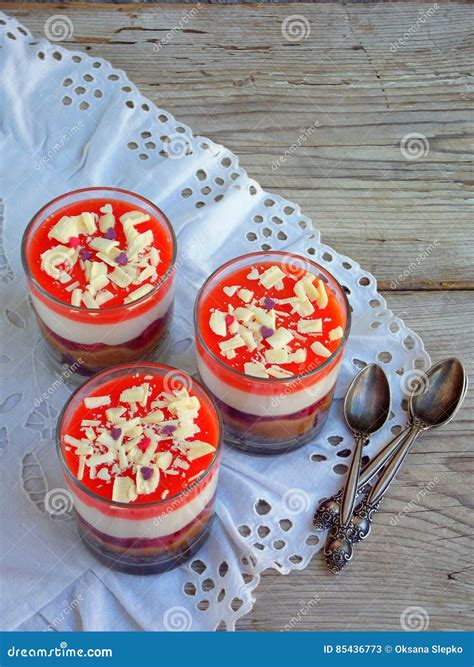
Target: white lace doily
point(71, 121)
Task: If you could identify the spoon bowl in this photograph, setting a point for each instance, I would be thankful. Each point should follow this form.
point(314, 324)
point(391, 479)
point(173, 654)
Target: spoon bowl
point(367, 402)
point(439, 393)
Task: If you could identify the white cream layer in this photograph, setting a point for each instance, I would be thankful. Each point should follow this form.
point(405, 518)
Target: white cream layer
point(154, 527)
point(89, 333)
point(287, 402)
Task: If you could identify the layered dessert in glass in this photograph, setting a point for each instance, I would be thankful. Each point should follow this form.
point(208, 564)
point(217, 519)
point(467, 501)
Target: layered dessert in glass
point(140, 447)
point(270, 333)
point(99, 265)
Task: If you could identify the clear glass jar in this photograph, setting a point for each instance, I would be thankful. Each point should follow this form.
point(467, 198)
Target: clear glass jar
point(90, 340)
point(148, 537)
point(270, 415)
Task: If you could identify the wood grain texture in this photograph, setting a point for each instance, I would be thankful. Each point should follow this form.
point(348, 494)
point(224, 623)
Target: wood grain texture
point(230, 74)
point(345, 97)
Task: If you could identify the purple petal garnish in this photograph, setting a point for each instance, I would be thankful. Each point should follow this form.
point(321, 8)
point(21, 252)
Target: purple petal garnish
point(85, 254)
point(121, 259)
point(266, 332)
point(168, 429)
point(268, 303)
point(110, 234)
point(116, 433)
point(146, 472)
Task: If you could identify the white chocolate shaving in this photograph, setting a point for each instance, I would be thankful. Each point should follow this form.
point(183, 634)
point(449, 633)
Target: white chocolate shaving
point(106, 222)
point(119, 277)
point(322, 299)
point(310, 326)
point(148, 485)
point(135, 217)
point(336, 333)
point(124, 490)
point(217, 323)
point(63, 230)
point(271, 276)
point(245, 294)
point(276, 356)
point(103, 245)
point(138, 293)
point(255, 369)
point(53, 258)
point(319, 349)
point(230, 290)
point(232, 344)
point(198, 448)
point(76, 297)
point(280, 338)
point(297, 357)
point(92, 402)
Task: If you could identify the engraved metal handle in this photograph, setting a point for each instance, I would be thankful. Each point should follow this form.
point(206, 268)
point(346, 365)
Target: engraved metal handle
point(362, 519)
point(338, 547)
point(349, 494)
point(327, 513)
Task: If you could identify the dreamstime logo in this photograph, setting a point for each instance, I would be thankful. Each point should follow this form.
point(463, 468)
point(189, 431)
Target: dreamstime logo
point(295, 266)
point(296, 501)
point(68, 608)
point(302, 612)
point(175, 380)
point(295, 28)
point(415, 502)
point(178, 146)
point(414, 28)
point(58, 383)
point(414, 383)
point(414, 619)
point(58, 28)
point(419, 259)
point(177, 619)
point(58, 502)
point(304, 135)
point(414, 146)
point(184, 20)
point(65, 138)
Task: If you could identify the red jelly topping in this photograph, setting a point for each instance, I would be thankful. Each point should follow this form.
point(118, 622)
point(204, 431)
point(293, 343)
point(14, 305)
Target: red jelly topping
point(40, 243)
point(269, 299)
point(180, 474)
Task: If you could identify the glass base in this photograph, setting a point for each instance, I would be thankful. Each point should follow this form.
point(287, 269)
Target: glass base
point(72, 371)
point(270, 436)
point(148, 565)
point(258, 446)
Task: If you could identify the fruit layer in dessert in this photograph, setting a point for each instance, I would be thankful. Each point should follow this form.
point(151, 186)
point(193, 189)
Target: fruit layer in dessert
point(140, 447)
point(270, 330)
point(99, 265)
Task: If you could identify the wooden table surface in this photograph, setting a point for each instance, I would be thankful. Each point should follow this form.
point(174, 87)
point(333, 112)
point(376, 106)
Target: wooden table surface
point(369, 75)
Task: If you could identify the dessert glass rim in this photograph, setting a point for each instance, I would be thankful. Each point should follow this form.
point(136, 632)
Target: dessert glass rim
point(109, 309)
point(152, 503)
point(299, 376)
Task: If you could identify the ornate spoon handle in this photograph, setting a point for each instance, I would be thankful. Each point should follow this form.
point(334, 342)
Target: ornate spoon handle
point(327, 513)
point(338, 549)
point(362, 520)
point(349, 493)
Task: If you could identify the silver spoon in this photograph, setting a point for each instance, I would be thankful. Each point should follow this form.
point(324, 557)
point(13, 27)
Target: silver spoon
point(366, 409)
point(435, 403)
point(327, 514)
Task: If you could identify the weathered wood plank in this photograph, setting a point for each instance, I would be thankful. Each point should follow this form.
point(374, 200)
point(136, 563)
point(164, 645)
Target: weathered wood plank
point(229, 73)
